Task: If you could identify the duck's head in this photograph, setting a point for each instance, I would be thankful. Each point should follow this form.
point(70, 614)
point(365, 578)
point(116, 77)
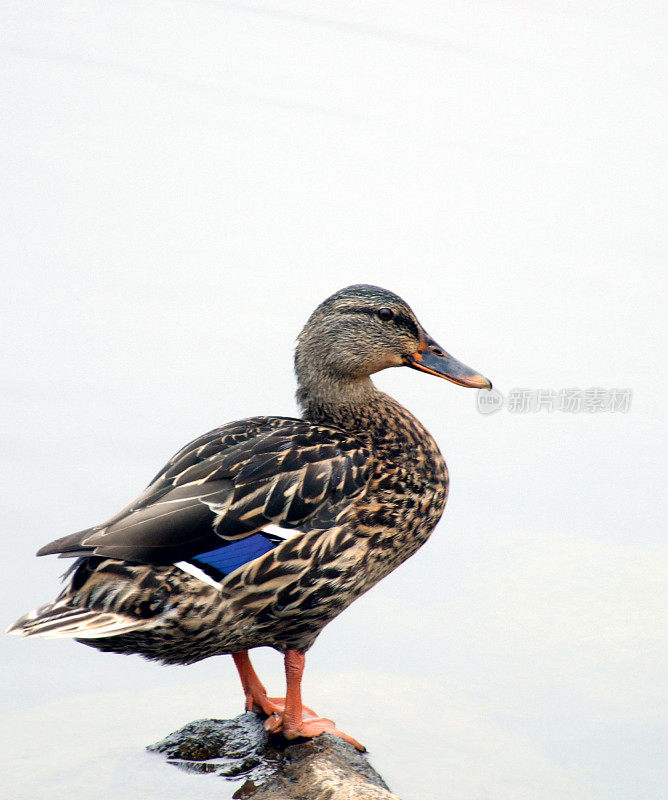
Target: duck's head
point(363, 329)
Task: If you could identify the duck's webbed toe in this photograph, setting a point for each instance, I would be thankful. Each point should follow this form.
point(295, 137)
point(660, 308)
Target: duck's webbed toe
point(307, 727)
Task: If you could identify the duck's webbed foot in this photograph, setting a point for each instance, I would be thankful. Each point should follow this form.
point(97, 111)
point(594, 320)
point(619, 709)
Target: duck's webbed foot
point(308, 727)
point(296, 720)
point(286, 715)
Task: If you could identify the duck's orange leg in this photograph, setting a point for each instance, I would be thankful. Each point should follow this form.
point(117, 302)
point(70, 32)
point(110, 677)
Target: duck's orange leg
point(256, 694)
point(293, 723)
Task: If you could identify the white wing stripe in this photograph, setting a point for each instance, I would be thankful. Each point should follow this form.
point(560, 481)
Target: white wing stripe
point(196, 572)
point(284, 533)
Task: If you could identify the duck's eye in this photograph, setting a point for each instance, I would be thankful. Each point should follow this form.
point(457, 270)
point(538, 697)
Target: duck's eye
point(385, 314)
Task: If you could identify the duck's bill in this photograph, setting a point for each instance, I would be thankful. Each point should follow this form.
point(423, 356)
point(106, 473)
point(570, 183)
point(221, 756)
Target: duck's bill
point(433, 360)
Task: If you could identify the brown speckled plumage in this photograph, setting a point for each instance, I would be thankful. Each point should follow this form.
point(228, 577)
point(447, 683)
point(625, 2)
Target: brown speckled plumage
point(287, 596)
point(358, 476)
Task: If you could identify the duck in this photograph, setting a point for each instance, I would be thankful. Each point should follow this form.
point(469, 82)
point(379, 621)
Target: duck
point(262, 531)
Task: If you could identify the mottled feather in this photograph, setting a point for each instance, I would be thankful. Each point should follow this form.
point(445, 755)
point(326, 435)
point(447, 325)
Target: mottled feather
point(359, 478)
point(228, 484)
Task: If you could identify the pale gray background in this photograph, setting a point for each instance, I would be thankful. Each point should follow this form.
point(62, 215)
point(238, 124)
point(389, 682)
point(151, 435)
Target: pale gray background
point(182, 183)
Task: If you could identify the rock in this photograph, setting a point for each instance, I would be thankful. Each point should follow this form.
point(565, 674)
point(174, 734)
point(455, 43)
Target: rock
point(323, 768)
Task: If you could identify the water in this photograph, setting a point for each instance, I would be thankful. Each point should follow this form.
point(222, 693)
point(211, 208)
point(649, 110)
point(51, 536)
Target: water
point(422, 738)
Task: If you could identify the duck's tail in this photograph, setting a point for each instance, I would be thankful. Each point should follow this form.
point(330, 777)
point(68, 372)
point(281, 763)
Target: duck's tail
point(84, 609)
point(60, 620)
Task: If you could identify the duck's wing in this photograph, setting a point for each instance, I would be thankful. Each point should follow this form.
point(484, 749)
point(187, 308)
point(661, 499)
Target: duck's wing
point(229, 484)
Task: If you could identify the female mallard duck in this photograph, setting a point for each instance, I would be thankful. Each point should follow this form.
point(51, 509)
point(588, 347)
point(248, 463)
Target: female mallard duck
point(190, 570)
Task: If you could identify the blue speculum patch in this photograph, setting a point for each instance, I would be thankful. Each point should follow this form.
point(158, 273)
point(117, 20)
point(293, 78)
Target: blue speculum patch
point(229, 557)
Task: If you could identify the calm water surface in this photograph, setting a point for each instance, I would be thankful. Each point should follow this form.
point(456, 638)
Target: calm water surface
point(423, 739)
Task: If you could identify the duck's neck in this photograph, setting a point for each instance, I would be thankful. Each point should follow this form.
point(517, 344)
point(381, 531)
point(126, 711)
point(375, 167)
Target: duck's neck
point(356, 406)
point(337, 401)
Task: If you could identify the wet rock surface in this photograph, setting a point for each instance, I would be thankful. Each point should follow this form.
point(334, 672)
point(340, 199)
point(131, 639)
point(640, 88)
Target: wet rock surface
point(270, 768)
